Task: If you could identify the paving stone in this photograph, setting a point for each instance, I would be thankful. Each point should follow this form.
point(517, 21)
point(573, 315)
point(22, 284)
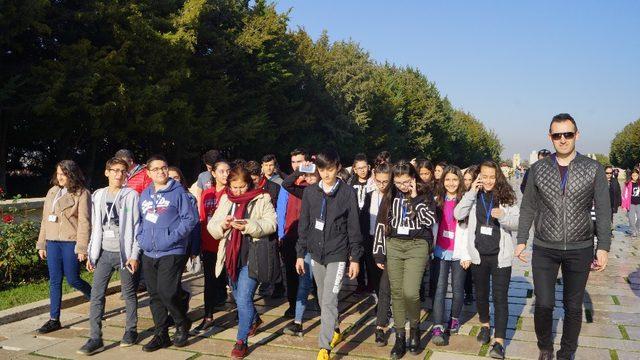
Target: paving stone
point(627, 355)
point(28, 343)
point(441, 355)
point(592, 354)
point(10, 354)
point(515, 349)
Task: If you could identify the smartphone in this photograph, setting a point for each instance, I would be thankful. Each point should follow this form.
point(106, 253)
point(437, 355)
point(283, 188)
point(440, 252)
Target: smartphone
point(130, 268)
point(308, 169)
point(240, 221)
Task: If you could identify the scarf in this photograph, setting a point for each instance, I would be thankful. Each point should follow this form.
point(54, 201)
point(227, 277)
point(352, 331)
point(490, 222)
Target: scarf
point(232, 251)
point(262, 183)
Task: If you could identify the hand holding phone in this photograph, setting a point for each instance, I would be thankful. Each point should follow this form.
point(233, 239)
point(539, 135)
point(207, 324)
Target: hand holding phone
point(477, 184)
point(307, 168)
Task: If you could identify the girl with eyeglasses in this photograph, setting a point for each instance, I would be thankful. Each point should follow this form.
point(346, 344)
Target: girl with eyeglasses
point(404, 236)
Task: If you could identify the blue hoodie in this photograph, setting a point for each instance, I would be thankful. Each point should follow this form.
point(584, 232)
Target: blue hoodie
point(170, 233)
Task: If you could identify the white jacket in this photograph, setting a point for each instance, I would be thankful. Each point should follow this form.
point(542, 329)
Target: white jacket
point(508, 223)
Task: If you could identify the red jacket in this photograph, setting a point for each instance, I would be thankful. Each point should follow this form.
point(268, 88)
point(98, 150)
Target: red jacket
point(209, 201)
point(139, 180)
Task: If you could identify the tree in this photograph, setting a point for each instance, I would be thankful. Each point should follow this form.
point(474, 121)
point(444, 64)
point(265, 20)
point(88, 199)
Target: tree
point(625, 147)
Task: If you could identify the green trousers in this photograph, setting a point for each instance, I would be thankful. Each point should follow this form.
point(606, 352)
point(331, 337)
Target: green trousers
point(406, 262)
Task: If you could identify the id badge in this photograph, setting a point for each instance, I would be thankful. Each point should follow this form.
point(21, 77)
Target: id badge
point(448, 234)
point(110, 234)
point(151, 217)
point(403, 230)
point(319, 224)
point(486, 230)
point(53, 218)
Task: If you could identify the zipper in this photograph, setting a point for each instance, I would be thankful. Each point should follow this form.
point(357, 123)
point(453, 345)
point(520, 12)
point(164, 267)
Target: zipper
point(564, 207)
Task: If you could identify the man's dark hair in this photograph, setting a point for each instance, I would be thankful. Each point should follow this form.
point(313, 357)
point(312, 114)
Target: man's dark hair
point(254, 168)
point(125, 154)
point(562, 118)
point(300, 151)
point(608, 167)
point(360, 157)
point(211, 157)
point(156, 157)
point(327, 158)
point(116, 161)
point(239, 163)
point(269, 158)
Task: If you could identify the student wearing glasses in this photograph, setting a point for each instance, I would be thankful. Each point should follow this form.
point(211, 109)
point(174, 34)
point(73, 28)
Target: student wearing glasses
point(561, 191)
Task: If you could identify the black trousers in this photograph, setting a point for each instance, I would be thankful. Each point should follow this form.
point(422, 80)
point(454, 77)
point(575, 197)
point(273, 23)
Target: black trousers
point(468, 283)
point(488, 274)
point(368, 265)
point(289, 257)
point(575, 266)
point(164, 277)
point(215, 288)
point(383, 290)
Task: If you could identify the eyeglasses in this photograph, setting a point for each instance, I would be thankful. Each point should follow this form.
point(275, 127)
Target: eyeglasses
point(359, 168)
point(383, 183)
point(567, 135)
point(118, 171)
point(402, 184)
point(158, 169)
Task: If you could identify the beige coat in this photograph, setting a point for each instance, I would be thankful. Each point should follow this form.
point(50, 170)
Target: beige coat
point(73, 219)
point(261, 222)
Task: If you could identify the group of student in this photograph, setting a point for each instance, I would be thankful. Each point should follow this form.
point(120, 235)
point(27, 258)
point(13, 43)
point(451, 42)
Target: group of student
point(402, 229)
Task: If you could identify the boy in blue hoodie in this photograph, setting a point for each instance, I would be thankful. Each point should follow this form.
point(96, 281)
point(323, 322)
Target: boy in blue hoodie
point(166, 222)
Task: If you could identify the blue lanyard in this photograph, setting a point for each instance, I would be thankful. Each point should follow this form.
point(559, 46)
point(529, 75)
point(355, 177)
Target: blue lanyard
point(487, 209)
point(324, 198)
point(404, 210)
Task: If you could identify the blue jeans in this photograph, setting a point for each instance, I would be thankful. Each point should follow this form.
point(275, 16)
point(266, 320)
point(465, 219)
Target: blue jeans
point(458, 274)
point(62, 261)
point(304, 288)
point(243, 290)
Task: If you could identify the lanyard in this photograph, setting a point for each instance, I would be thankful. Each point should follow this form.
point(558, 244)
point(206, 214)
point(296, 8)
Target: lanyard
point(487, 209)
point(324, 198)
point(58, 196)
point(110, 210)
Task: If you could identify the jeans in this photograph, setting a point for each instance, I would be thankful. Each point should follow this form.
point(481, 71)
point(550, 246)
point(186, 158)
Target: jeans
point(406, 262)
point(62, 261)
point(215, 290)
point(484, 274)
point(244, 288)
point(384, 300)
point(164, 278)
point(107, 264)
point(329, 280)
point(304, 288)
point(442, 269)
point(575, 272)
point(634, 218)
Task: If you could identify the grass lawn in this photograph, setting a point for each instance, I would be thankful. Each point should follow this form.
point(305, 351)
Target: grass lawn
point(28, 293)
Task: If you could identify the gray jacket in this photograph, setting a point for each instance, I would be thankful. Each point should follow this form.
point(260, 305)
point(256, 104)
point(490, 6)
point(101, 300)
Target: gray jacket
point(563, 221)
point(128, 214)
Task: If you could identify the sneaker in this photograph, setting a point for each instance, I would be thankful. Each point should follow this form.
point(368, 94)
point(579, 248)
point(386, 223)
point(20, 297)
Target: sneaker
point(381, 340)
point(240, 350)
point(254, 328)
point(437, 336)
point(484, 336)
point(181, 337)
point(50, 326)
point(323, 354)
point(129, 338)
point(337, 337)
point(400, 347)
point(293, 329)
point(497, 351)
point(414, 341)
point(157, 342)
point(468, 299)
point(91, 347)
point(290, 313)
point(205, 325)
point(454, 326)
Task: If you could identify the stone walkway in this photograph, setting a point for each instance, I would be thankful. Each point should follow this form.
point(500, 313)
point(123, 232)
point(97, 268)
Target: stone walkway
point(611, 329)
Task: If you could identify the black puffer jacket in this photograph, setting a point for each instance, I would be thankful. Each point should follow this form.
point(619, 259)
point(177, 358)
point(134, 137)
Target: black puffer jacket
point(563, 221)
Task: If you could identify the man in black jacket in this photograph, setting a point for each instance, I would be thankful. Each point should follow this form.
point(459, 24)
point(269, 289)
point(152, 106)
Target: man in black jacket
point(561, 191)
point(615, 194)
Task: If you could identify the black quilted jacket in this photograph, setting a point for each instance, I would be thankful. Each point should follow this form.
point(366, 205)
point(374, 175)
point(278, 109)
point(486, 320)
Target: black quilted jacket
point(563, 221)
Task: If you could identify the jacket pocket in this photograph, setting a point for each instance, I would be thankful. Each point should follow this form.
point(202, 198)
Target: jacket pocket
point(143, 241)
point(163, 239)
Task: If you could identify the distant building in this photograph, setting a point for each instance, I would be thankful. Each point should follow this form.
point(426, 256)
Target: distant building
point(533, 157)
point(516, 161)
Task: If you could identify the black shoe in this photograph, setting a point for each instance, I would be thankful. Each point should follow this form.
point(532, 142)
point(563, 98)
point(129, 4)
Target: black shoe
point(381, 340)
point(497, 351)
point(468, 299)
point(484, 336)
point(129, 338)
point(293, 329)
point(49, 326)
point(205, 325)
point(545, 355)
point(400, 347)
point(181, 336)
point(278, 291)
point(170, 322)
point(157, 342)
point(414, 341)
point(91, 347)
point(290, 313)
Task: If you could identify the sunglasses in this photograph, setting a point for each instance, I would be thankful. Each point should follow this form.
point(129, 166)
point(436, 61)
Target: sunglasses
point(567, 135)
point(608, 173)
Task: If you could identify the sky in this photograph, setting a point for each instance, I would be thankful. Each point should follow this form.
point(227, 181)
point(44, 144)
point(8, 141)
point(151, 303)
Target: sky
point(513, 64)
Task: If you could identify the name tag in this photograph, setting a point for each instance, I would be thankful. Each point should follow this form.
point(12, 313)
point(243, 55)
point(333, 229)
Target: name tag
point(403, 230)
point(448, 234)
point(151, 217)
point(319, 224)
point(53, 218)
point(109, 234)
point(486, 230)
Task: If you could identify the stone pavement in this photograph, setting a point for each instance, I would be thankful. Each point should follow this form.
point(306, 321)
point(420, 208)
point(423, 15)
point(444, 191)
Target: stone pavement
point(611, 329)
